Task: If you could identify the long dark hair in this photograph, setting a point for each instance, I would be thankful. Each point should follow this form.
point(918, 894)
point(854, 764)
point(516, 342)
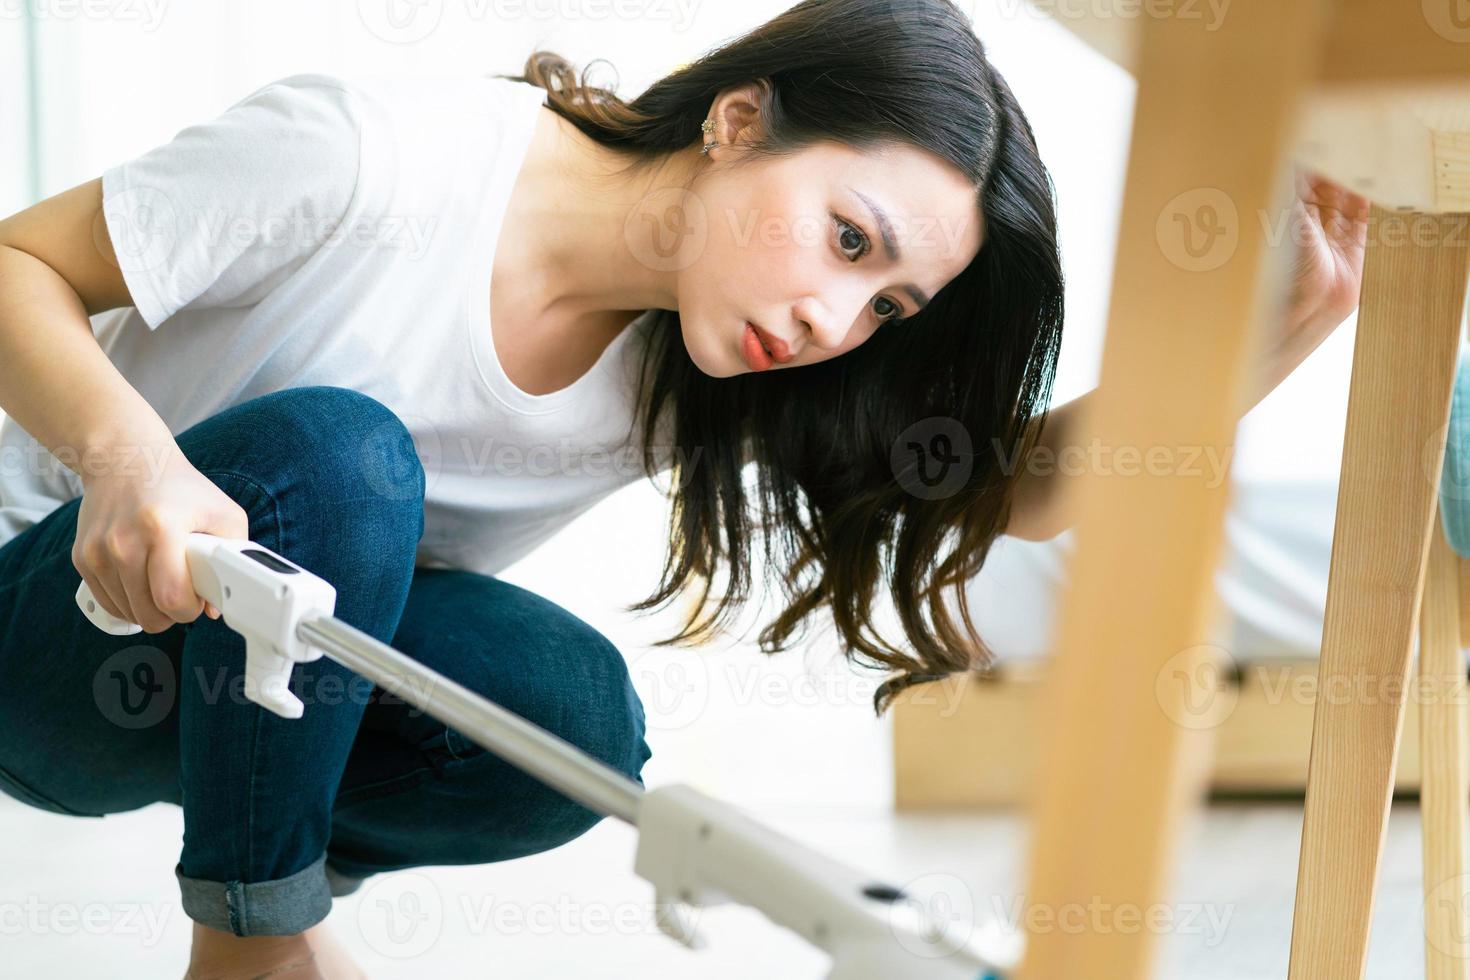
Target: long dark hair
point(845, 495)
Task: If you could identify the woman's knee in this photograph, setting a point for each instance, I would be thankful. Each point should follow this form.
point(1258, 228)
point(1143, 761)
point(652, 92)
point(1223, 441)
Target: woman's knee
point(608, 719)
point(592, 705)
point(319, 468)
point(530, 656)
point(596, 709)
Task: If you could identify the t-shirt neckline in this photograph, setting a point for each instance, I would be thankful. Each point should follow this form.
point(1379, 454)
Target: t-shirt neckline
point(482, 342)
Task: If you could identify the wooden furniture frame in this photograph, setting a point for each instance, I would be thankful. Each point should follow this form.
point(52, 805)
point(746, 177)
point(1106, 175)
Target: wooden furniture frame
point(1220, 112)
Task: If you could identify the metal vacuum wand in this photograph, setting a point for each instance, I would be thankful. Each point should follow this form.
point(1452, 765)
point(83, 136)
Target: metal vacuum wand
point(695, 850)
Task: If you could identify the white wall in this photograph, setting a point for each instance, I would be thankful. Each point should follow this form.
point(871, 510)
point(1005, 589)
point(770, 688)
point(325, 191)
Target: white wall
point(14, 167)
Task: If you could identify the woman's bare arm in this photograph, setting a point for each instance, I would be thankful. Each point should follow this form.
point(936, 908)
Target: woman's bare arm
point(141, 496)
point(1328, 236)
point(1038, 509)
point(57, 268)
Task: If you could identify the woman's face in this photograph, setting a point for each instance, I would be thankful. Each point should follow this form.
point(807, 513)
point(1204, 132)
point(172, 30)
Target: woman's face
point(795, 245)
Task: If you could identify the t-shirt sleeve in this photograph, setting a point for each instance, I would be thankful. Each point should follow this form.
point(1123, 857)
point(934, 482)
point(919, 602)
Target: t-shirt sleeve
point(229, 208)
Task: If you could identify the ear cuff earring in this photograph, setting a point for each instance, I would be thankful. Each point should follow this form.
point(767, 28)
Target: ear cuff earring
point(707, 127)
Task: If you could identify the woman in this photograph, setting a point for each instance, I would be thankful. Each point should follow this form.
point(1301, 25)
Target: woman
point(827, 248)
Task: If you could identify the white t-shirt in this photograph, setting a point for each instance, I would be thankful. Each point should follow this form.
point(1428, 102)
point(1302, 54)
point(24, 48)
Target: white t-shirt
point(335, 231)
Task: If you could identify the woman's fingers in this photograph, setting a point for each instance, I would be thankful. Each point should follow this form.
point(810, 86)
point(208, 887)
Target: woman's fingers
point(102, 597)
point(134, 575)
point(171, 586)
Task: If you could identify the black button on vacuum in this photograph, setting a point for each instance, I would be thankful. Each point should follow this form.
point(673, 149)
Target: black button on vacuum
point(270, 561)
point(884, 893)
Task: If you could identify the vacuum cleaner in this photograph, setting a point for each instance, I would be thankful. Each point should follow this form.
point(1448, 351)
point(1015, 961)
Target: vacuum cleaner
point(695, 850)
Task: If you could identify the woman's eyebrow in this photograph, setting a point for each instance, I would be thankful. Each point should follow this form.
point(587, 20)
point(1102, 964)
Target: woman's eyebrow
point(885, 230)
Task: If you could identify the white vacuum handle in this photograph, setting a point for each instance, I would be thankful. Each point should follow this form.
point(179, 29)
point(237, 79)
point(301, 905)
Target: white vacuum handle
point(261, 596)
point(101, 618)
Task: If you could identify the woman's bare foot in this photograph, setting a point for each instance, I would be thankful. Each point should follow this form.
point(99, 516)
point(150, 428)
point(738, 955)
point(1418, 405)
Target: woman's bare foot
point(312, 955)
point(335, 962)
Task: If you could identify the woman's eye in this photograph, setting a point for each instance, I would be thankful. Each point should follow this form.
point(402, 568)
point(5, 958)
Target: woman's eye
point(850, 237)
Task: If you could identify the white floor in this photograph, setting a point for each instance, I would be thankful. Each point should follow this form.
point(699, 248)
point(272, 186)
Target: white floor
point(96, 899)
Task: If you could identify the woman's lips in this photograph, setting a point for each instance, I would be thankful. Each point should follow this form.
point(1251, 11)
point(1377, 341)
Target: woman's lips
point(756, 357)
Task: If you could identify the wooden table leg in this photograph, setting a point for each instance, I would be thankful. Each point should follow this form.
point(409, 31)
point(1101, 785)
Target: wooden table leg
point(1444, 786)
point(1119, 752)
point(1404, 360)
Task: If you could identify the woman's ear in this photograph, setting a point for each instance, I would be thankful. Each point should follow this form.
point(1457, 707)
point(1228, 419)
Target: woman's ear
point(738, 113)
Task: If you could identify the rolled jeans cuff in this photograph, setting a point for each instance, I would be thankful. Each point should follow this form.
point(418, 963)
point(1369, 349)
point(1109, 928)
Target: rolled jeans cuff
point(283, 907)
point(340, 882)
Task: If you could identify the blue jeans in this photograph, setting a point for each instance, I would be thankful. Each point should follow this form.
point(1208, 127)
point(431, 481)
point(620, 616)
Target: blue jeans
point(281, 815)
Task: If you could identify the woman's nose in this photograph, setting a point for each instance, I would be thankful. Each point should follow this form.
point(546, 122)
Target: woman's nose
point(825, 325)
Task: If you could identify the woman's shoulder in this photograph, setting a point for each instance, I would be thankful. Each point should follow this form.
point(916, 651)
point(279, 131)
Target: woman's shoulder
point(438, 97)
